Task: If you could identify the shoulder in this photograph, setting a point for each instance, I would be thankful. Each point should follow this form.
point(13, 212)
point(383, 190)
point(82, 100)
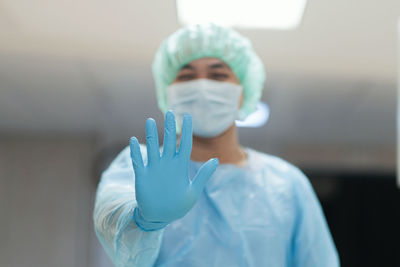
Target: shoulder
point(285, 181)
point(283, 184)
point(260, 160)
point(278, 168)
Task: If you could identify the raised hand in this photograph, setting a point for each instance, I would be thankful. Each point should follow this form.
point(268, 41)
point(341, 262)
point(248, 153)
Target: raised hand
point(164, 191)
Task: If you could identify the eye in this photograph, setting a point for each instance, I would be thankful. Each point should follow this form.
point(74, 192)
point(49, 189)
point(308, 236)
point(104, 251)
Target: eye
point(185, 77)
point(219, 76)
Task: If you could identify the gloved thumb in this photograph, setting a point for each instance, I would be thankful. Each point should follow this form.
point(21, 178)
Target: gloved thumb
point(204, 174)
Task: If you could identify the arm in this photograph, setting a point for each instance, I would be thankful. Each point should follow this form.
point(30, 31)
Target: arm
point(136, 201)
point(123, 241)
point(312, 242)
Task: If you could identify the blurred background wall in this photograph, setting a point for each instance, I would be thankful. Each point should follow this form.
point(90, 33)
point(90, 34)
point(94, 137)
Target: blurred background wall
point(75, 84)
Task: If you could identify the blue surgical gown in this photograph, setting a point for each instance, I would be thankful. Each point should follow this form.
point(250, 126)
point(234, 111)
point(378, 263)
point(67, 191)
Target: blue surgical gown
point(263, 214)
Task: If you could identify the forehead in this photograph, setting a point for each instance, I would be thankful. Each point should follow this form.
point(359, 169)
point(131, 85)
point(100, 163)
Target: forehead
point(207, 62)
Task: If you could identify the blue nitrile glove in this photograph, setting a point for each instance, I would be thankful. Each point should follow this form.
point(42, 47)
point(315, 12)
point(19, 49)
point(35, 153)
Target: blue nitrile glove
point(164, 192)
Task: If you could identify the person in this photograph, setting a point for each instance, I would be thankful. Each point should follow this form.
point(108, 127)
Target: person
point(208, 201)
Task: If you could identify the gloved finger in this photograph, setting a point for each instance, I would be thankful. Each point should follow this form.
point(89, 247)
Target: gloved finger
point(153, 150)
point(204, 174)
point(185, 147)
point(169, 135)
point(136, 156)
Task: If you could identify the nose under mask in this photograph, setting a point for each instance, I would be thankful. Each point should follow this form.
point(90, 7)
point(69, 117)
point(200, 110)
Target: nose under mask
point(213, 105)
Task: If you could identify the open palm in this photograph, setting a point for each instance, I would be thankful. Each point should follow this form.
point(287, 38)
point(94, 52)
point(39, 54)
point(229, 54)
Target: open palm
point(164, 191)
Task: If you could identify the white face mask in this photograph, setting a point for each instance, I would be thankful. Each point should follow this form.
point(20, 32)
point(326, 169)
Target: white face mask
point(213, 105)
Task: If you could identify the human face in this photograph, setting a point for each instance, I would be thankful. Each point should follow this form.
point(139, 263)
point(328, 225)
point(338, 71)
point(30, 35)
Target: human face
point(207, 68)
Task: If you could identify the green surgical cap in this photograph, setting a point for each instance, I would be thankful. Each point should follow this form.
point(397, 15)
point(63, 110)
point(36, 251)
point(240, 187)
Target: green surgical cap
point(209, 40)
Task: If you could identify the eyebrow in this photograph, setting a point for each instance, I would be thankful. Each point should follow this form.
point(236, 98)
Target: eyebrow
point(212, 66)
point(188, 66)
point(217, 66)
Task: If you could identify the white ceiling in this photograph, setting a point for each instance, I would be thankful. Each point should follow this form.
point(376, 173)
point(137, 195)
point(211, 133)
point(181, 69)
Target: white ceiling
point(84, 67)
point(342, 38)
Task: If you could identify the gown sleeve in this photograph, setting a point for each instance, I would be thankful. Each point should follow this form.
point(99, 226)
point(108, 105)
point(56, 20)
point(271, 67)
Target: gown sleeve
point(312, 241)
point(115, 228)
